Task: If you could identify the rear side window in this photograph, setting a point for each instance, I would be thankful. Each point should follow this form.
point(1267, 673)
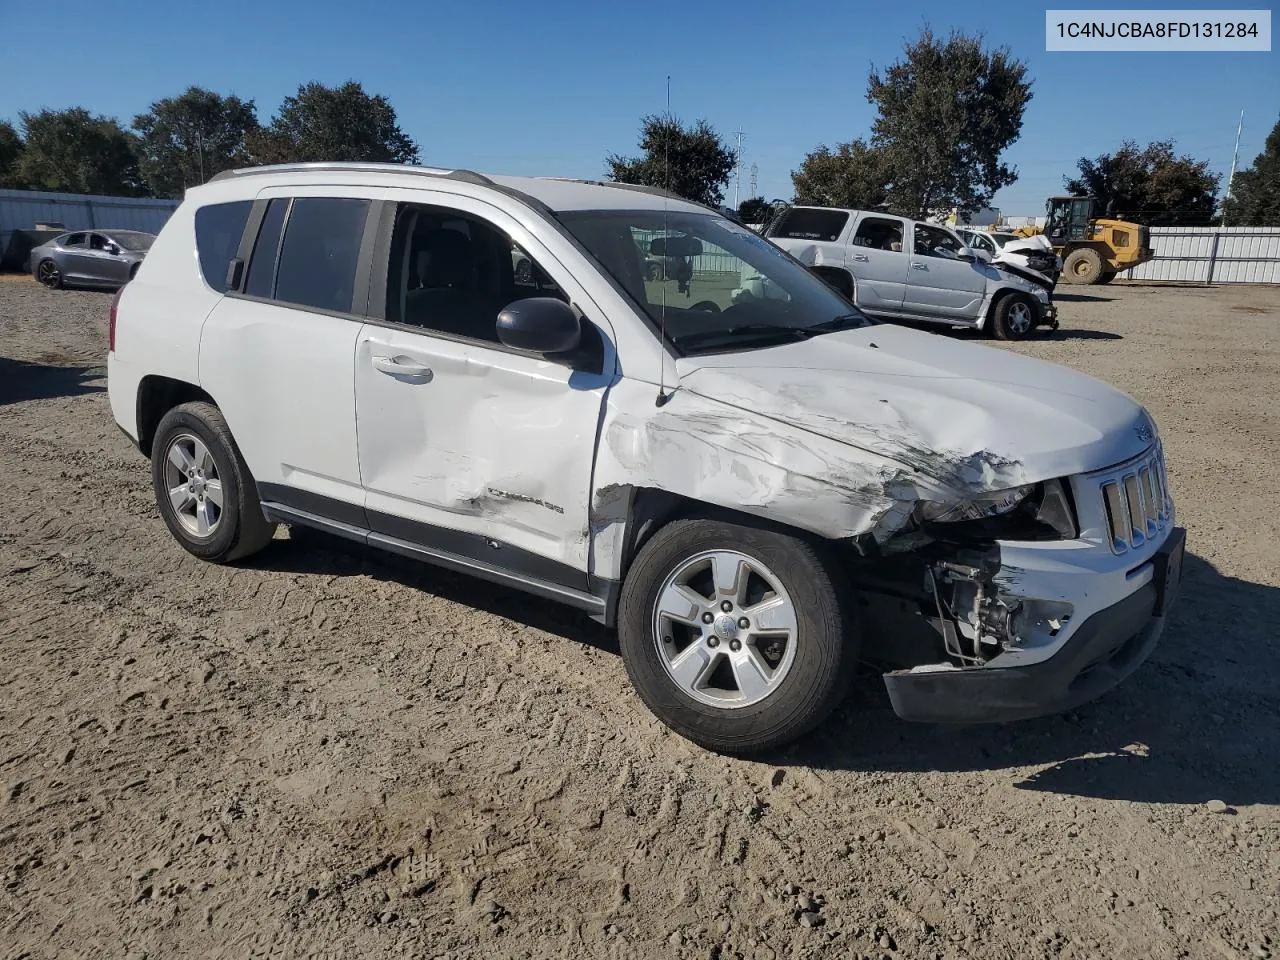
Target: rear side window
point(317, 265)
point(218, 230)
point(825, 225)
point(262, 264)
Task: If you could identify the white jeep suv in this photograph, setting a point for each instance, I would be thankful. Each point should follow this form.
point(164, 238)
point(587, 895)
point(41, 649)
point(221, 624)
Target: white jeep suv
point(756, 491)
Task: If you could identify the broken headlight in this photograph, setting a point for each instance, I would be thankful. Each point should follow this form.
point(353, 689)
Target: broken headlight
point(1041, 511)
point(975, 508)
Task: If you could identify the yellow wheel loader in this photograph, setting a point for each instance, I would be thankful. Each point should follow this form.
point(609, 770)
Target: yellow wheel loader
point(1093, 249)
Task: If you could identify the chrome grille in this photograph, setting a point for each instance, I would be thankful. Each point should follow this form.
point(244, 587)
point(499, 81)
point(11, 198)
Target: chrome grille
point(1136, 502)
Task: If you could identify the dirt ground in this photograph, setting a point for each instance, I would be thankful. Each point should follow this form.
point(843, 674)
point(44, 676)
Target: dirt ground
point(333, 753)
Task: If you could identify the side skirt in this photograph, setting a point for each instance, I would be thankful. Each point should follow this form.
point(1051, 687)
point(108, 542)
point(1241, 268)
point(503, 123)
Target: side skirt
point(600, 603)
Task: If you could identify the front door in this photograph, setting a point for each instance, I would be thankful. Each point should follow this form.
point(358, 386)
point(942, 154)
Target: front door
point(941, 286)
point(468, 447)
point(105, 259)
point(878, 262)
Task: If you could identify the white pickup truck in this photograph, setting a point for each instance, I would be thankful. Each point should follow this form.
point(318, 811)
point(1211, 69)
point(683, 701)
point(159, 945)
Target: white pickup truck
point(899, 269)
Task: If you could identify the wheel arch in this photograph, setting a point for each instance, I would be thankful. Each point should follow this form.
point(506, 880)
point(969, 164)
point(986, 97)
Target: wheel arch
point(157, 395)
point(838, 278)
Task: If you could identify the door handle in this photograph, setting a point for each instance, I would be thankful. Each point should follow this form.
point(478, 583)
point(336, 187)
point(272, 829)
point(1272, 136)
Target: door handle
point(919, 266)
point(397, 367)
point(861, 258)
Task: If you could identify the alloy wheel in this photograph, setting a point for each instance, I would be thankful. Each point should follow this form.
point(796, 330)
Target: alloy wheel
point(725, 629)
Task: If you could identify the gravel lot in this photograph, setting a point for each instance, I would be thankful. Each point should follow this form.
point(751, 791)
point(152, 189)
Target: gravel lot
point(331, 752)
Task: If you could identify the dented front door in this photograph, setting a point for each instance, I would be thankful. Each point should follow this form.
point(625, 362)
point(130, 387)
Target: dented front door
point(476, 450)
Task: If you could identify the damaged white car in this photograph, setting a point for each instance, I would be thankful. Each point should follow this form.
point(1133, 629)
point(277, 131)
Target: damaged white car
point(1031, 257)
point(756, 491)
point(898, 269)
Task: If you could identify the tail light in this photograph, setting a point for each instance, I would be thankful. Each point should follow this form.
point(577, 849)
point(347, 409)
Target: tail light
point(111, 323)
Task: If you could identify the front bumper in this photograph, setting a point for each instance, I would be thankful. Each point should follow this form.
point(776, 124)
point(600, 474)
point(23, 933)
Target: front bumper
point(1103, 652)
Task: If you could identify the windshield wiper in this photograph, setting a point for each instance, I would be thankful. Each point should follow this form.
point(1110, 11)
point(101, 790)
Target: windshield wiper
point(847, 321)
point(764, 330)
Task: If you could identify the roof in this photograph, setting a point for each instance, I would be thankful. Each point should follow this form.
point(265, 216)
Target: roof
point(557, 194)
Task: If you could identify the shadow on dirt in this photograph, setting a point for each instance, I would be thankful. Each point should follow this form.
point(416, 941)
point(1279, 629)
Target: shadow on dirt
point(1061, 334)
point(1194, 723)
point(1081, 298)
point(21, 381)
point(310, 551)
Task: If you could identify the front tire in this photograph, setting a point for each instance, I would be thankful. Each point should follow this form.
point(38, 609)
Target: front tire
point(734, 635)
point(1083, 266)
point(206, 495)
point(1014, 317)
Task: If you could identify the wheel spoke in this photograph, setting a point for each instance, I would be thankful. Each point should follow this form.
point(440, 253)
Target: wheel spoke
point(203, 522)
point(753, 675)
point(179, 457)
point(200, 453)
point(180, 497)
point(213, 493)
point(680, 603)
point(693, 666)
point(730, 575)
point(772, 616)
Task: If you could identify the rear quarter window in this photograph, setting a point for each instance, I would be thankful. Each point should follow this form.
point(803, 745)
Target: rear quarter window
point(219, 227)
point(824, 225)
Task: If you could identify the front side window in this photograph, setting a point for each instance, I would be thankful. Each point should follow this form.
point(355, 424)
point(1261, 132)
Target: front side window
point(317, 263)
point(935, 242)
point(716, 285)
point(98, 242)
point(453, 273)
point(218, 230)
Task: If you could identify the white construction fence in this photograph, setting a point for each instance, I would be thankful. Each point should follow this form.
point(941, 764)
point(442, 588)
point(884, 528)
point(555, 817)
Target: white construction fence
point(1212, 255)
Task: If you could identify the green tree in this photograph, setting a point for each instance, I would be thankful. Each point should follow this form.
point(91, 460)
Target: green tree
point(333, 123)
point(1255, 193)
point(755, 210)
point(853, 175)
point(945, 114)
point(1150, 185)
point(75, 151)
point(10, 152)
point(692, 162)
point(183, 141)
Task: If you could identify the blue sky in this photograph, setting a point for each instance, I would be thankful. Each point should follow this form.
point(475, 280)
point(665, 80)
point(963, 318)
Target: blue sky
point(552, 88)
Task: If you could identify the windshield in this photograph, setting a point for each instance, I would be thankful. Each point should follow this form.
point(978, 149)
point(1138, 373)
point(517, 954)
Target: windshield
point(131, 240)
point(720, 286)
point(1003, 238)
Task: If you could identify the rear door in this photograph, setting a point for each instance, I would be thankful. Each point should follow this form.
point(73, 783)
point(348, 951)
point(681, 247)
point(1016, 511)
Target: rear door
point(277, 351)
point(942, 286)
point(76, 262)
point(878, 262)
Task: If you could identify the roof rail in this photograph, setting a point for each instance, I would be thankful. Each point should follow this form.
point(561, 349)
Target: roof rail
point(466, 176)
point(638, 188)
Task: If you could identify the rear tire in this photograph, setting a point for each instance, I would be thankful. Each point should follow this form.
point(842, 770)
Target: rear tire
point(1107, 276)
point(1082, 266)
point(744, 688)
point(1013, 317)
point(205, 492)
point(47, 272)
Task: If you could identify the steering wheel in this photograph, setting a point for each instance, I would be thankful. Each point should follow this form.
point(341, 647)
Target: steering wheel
point(710, 306)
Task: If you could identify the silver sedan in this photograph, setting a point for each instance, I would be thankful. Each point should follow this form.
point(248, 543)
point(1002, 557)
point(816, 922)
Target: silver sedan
point(90, 258)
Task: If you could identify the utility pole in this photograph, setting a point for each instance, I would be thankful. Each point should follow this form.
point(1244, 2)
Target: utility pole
point(737, 183)
point(1232, 175)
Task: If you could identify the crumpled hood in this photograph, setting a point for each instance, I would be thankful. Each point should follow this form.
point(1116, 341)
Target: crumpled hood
point(971, 417)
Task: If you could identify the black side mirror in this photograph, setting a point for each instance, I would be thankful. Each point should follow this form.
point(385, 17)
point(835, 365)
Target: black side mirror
point(539, 324)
